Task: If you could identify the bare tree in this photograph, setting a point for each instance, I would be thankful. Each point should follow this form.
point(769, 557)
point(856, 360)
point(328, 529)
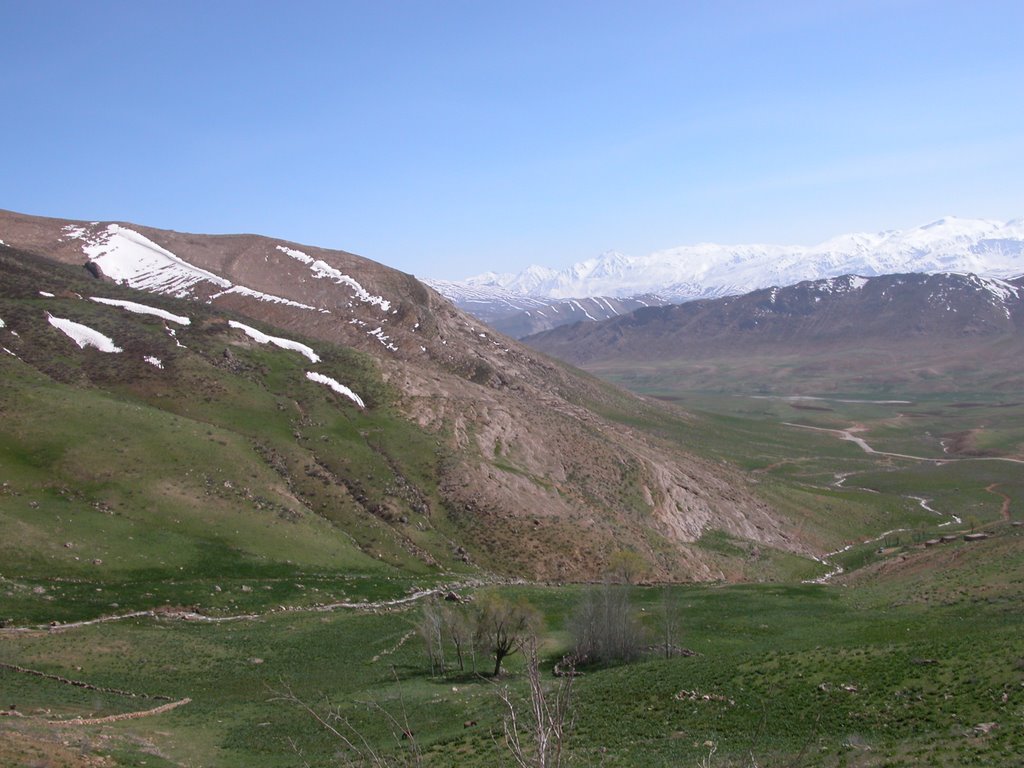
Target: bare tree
point(537, 737)
point(432, 630)
point(669, 620)
point(460, 629)
point(604, 627)
point(356, 749)
point(502, 626)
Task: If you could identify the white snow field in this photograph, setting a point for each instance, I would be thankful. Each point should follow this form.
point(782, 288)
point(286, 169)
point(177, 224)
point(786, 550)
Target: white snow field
point(337, 386)
point(277, 341)
point(142, 309)
point(83, 335)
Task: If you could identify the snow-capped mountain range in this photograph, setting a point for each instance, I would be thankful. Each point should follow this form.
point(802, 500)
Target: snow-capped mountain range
point(707, 270)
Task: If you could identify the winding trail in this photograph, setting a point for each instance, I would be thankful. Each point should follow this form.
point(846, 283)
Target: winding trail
point(80, 683)
point(193, 616)
point(847, 434)
point(840, 482)
point(157, 710)
point(184, 615)
point(123, 716)
point(1005, 509)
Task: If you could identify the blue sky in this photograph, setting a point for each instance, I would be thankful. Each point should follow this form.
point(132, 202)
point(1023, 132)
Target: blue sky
point(451, 138)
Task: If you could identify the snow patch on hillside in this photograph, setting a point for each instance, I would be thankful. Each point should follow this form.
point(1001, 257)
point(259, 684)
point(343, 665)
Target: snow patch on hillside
point(324, 271)
point(856, 283)
point(143, 309)
point(1000, 289)
point(277, 341)
point(337, 386)
point(269, 297)
point(83, 335)
point(379, 335)
point(128, 257)
point(154, 361)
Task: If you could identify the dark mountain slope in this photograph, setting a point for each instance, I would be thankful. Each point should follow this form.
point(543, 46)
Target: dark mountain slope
point(918, 328)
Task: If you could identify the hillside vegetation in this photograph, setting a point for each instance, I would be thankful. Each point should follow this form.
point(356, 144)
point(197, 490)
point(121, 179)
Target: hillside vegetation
point(196, 557)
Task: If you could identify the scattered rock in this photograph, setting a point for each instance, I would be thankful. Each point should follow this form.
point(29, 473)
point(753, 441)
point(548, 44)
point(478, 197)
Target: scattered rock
point(663, 649)
point(246, 588)
point(685, 695)
point(469, 724)
point(848, 687)
point(96, 271)
point(985, 728)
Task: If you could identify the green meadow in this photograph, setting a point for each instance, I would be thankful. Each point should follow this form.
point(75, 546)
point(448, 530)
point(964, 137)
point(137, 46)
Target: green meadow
point(892, 671)
point(213, 517)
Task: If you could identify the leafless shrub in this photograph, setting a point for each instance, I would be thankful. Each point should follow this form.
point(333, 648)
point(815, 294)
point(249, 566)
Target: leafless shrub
point(355, 748)
point(604, 627)
point(536, 735)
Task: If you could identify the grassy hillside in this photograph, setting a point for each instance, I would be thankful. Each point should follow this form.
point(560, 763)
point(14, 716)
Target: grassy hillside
point(261, 526)
point(225, 464)
point(886, 672)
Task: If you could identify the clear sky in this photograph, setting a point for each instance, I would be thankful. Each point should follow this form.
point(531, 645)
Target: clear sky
point(448, 138)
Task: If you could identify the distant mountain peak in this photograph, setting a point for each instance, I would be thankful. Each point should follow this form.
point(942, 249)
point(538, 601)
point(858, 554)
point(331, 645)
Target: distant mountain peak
point(947, 244)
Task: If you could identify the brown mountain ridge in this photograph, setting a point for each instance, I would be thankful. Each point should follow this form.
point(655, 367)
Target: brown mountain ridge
point(545, 473)
point(914, 332)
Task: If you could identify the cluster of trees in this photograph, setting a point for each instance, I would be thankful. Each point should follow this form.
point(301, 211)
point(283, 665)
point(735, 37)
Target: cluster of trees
point(494, 627)
point(605, 628)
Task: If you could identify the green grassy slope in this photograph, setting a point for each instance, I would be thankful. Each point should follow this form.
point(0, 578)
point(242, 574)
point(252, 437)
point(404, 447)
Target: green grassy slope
point(230, 483)
point(883, 672)
point(226, 464)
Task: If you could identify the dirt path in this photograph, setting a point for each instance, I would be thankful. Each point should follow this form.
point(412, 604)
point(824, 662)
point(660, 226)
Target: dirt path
point(79, 683)
point(1005, 509)
point(123, 716)
point(183, 615)
point(847, 434)
point(160, 709)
